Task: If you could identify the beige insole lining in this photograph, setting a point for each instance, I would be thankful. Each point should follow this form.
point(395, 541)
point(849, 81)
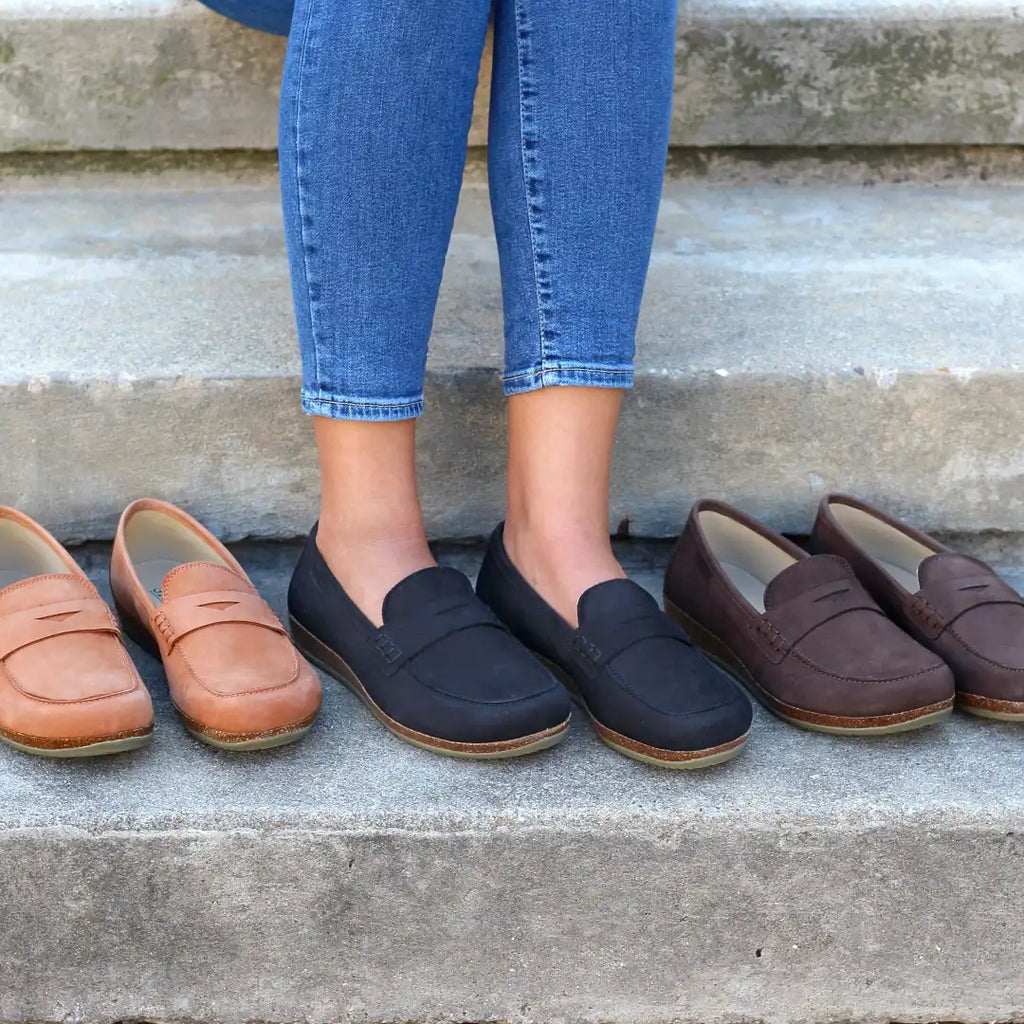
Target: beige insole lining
point(750, 561)
point(24, 555)
point(158, 543)
point(899, 555)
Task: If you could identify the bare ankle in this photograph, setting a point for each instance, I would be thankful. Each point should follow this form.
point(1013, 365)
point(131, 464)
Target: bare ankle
point(369, 563)
point(561, 563)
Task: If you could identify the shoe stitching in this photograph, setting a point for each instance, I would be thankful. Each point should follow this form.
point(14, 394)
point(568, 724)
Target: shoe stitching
point(857, 679)
point(973, 650)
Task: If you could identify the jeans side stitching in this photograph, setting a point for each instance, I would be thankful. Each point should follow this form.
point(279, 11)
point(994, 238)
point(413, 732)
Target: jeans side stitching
point(529, 141)
point(299, 194)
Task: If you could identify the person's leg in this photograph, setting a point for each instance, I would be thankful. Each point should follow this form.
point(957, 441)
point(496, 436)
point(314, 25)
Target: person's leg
point(556, 533)
point(581, 107)
point(375, 114)
point(266, 15)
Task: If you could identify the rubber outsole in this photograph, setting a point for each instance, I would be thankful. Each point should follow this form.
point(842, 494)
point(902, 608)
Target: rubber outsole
point(990, 708)
point(878, 725)
point(98, 749)
point(675, 760)
point(319, 654)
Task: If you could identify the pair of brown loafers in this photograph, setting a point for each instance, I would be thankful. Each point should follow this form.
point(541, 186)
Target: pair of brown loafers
point(68, 687)
point(881, 630)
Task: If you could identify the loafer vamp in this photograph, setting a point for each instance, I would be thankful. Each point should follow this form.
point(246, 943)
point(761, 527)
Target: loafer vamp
point(659, 689)
point(672, 698)
point(864, 646)
point(430, 710)
point(985, 647)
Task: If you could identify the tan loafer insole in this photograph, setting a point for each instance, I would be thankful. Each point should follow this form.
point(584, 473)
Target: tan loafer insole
point(24, 555)
point(158, 544)
point(750, 561)
point(899, 555)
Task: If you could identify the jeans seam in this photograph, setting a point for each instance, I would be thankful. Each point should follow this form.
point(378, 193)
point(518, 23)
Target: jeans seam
point(531, 179)
point(299, 194)
point(539, 371)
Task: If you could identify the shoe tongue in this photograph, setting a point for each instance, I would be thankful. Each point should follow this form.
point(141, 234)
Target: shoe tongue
point(949, 566)
point(614, 599)
point(803, 575)
point(408, 596)
point(43, 590)
point(201, 578)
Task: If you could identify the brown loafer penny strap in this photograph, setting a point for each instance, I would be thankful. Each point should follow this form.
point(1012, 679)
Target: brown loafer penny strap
point(85, 615)
point(184, 615)
point(938, 606)
point(779, 630)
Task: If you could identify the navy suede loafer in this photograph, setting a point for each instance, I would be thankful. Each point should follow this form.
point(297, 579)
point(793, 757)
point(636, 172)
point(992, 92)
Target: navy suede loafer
point(650, 693)
point(442, 673)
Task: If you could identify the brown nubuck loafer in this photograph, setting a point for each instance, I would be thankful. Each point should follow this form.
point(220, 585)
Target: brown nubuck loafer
point(232, 671)
point(67, 685)
point(800, 631)
point(954, 605)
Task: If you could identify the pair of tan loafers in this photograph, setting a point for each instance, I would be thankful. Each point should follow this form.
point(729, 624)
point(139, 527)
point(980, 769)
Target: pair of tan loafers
point(68, 687)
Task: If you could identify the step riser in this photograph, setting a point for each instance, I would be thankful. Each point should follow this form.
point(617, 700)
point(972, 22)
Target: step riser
point(521, 923)
point(239, 453)
point(177, 77)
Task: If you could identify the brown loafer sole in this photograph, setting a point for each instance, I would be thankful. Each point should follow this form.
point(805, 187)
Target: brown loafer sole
point(989, 707)
point(248, 740)
point(91, 746)
point(319, 654)
point(681, 760)
point(876, 725)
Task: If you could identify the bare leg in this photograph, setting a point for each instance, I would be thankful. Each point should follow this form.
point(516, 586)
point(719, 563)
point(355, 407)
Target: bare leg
point(371, 530)
point(560, 450)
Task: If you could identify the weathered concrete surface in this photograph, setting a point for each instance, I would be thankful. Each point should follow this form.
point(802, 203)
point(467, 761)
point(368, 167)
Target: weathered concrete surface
point(794, 340)
point(356, 879)
point(144, 74)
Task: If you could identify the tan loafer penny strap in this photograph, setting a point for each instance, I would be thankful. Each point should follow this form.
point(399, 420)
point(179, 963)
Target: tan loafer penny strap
point(779, 630)
point(938, 606)
point(86, 615)
point(185, 615)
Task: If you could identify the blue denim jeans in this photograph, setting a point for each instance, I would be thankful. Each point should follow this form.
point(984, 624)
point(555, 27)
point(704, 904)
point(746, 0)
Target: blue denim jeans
point(375, 112)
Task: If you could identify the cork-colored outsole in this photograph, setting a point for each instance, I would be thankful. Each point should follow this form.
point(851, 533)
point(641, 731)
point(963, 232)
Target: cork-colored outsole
point(98, 747)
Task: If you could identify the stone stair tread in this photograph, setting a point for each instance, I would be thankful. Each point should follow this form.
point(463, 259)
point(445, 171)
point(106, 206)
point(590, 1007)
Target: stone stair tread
point(149, 281)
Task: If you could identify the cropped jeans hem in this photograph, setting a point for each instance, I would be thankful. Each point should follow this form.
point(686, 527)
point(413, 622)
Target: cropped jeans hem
point(562, 374)
point(335, 407)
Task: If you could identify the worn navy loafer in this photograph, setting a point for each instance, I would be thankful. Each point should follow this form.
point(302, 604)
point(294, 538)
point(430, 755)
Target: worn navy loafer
point(442, 673)
point(650, 693)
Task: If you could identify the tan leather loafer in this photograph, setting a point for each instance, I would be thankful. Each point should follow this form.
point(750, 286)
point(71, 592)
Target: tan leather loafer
point(233, 673)
point(67, 685)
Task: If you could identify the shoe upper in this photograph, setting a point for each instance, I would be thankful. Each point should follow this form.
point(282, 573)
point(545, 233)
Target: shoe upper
point(441, 664)
point(804, 629)
point(634, 668)
point(231, 667)
point(65, 677)
point(955, 605)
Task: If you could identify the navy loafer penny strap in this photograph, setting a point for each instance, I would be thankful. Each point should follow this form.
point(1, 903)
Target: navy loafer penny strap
point(594, 652)
point(399, 642)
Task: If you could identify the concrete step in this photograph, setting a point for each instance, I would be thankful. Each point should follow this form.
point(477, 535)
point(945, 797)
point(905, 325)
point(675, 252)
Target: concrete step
point(795, 339)
point(355, 879)
point(151, 74)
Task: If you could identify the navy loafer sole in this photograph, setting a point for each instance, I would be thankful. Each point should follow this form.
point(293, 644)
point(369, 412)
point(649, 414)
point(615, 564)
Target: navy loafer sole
point(320, 655)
